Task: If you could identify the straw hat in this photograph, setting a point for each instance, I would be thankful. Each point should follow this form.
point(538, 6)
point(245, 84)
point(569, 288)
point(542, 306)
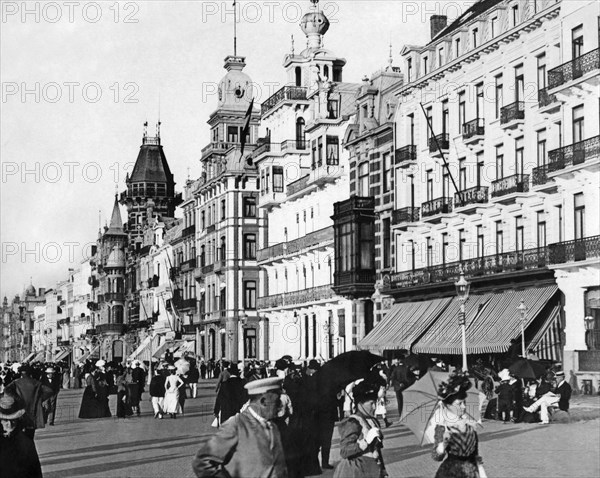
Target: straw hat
point(504, 374)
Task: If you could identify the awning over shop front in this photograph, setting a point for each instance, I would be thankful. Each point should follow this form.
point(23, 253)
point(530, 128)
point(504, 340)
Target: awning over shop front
point(187, 347)
point(492, 320)
point(62, 354)
point(547, 341)
point(88, 354)
point(40, 357)
point(144, 351)
point(29, 357)
point(403, 325)
point(163, 348)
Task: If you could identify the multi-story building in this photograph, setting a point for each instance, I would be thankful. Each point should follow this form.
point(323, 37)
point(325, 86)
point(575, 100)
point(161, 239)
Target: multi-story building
point(364, 246)
point(468, 130)
point(227, 225)
point(303, 171)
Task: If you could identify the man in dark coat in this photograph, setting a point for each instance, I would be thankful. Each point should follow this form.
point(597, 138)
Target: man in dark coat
point(138, 376)
point(231, 397)
point(400, 379)
point(52, 381)
point(32, 393)
point(563, 390)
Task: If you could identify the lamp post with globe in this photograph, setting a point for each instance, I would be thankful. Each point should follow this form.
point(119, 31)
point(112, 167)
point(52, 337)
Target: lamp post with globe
point(462, 291)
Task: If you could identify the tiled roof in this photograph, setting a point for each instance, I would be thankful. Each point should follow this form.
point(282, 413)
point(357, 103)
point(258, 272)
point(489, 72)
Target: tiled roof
point(476, 9)
point(151, 166)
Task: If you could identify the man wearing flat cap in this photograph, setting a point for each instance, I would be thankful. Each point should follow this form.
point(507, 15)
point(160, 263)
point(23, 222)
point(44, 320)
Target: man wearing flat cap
point(248, 444)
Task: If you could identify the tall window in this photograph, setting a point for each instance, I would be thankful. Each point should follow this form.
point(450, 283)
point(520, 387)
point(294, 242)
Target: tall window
point(250, 294)
point(202, 256)
point(541, 71)
point(320, 152)
point(249, 207)
point(203, 220)
point(298, 74)
point(479, 172)
point(541, 147)
point(462, 174)
point(445, 118)
point(250, 246)
point(519, 84)
point(387, 243)
point(277, 179)
point(541, 229)
point(578, 124)
point(429, 252)
point(429, 114)
point(232, 134)
point(250, 343)
point(446, 185)
point(461, 110)
point(515, 15)
point(499, 100)
point(441, 56)
point(363, 179)
point(409, 69)
point(387, 172)
point(559, 216)
point(579, 210)
point(461, 244)
point(411, 132)
point(313, 155)
point(494, 26)
point(430, 185)
point(425, 65)
point(366, 242)
point(457, 48)
point(412, 254)
point(475, 35)
point(519, 234)
point(444, 247)
point(480, 242)
point(332, 109)
point(345, 249)
point(479, 101)
point(333, 150)
point(519, 151)
point(267, 180)
point(577, 41)
point(222, 249)
point(223, 209)
point(499, 238)
point(300, 133)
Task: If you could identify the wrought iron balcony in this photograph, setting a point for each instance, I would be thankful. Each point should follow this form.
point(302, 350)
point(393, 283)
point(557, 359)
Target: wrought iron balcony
point(437, 206)
point(574, 69)
point(513, 112)
point(293, 145)
point(405, 214)
point(526, 260)
point(474, 195)
point(539, 175)
point(572, 251)
point(110, 329)
point(574, 154)
point(443, 140)
point(188, 265)
point(289, 93)
point(517, 183)
point(354, 277)
point(473, 129)
point(354, 204)
point(545, 98)
point(297, 185)
point(305, 296)
point(406, 153)
point(321, 237)
point(210, 229)
point(208, 268)
point(188, 231)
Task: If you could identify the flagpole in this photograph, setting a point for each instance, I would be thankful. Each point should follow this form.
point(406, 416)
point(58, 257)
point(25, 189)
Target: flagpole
point(234, 28)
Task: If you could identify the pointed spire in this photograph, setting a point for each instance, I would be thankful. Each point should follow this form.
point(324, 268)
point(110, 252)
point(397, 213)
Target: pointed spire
point(116, 223)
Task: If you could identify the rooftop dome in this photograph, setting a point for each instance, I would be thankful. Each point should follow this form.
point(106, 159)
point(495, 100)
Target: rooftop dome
point(235, 89)
point(30, 290)
point(314, 24)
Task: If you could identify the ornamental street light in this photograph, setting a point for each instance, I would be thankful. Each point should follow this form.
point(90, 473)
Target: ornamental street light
point(523, 311)
point(462, 291)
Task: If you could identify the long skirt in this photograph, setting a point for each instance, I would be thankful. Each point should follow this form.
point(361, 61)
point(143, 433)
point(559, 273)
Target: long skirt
point(94, 405)
point(171, 401)
point(123, 406)
point(454, 467)
point(361, 467)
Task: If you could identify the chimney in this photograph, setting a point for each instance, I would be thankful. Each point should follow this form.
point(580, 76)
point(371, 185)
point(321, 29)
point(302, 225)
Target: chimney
point(41, 292)
point(437, 24)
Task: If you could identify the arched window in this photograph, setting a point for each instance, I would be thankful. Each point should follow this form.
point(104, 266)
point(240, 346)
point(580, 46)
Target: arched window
point(300, 133)
point(298, 76)
point(326, 72)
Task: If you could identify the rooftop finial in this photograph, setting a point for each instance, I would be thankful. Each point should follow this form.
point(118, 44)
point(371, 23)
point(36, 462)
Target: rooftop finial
point(234, 28)
point(145, 129)
point(292, 44)
point(390, 59)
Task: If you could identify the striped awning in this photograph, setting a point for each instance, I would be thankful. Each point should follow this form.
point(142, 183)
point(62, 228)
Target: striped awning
point(188, 346)
point(159, 351)
point(144, 352)
point(88, 354)
point(40, 357)
point(403, 325)
point(62, 354)
point(492, 320)
point(29, 357)
point(547, 341)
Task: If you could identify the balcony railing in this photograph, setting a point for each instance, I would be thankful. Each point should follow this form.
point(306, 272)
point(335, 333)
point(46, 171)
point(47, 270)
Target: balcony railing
point(354, 277)
point(405, 214)
point(571, 251)
point(355, 203)
point(297, 297)
point(207, 269)
point(185, 304)
point(473, 128)
point(210, 229)
point(545, 98)
point(110, 328)
point(574, 154)
point(297, 185)
point(188, 265)
point(321, 236)
point(574, 69)
point(528, 259)
point(116, 296)
point(514, 111)
point(517, 183)
point(406, 153)
point(443, 140)
point(539, 175)
point(441, 205)
point(474, 195)
point(291, 144)
point(188, 231)
point(285, 93)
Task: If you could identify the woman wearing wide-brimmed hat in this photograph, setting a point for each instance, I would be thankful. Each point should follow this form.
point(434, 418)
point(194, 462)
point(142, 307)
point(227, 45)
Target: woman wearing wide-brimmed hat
point(18, 456)
point(361, 439)
point(456, 440)
point(172, 385)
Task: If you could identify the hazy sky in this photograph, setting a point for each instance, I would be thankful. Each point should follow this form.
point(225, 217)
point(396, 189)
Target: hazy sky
point(80, 78)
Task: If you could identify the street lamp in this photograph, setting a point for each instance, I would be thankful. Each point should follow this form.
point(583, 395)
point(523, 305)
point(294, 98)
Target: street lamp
point(523, 311)
point(462, 291)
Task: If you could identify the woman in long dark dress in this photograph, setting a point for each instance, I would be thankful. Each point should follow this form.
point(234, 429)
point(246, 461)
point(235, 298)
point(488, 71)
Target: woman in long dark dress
point(94, 403)
point(123, 407)
point(455, 439)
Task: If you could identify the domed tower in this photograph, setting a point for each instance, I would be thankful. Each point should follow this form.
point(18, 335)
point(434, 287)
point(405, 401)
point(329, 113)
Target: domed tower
point(314, 63)
point(151, 181)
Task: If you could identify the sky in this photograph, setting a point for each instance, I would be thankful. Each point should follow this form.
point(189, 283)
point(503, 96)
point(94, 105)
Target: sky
point(80, 78)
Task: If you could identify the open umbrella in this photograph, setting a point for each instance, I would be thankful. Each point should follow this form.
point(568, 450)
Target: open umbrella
point(422, 408)
point(528, 369)
point(345, 368)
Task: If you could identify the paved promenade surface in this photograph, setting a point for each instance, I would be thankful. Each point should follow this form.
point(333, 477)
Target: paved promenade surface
point(143, 447)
